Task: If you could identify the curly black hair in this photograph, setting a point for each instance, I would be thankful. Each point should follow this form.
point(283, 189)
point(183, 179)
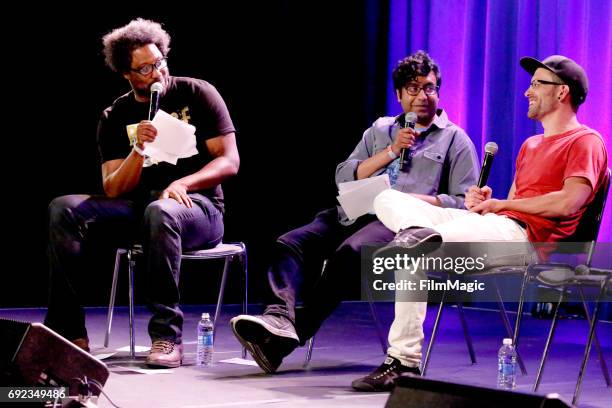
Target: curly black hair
point(417, 64)
point(119, 43)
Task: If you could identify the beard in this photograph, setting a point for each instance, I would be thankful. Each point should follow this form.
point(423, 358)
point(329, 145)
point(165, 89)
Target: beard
point(532, 112)
point(143, 93)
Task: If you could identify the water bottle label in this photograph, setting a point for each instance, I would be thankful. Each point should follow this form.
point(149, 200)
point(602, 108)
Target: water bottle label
point(506, 369)
point(207, 339)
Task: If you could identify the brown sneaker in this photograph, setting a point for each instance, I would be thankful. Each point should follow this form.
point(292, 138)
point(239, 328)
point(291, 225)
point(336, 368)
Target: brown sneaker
point(82, 343)
point(165, 354)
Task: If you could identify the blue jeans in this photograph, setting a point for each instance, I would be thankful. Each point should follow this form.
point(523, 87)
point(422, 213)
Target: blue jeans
point(164, 227)
point(298, 259)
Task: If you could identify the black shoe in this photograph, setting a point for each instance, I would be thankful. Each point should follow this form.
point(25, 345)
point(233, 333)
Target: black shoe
point(269, 338)
point(409, 241)
point(383, 378)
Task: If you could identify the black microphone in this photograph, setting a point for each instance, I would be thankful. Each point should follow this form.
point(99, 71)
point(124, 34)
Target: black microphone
point(409, 121)
point(490, 151)
point(156, 89)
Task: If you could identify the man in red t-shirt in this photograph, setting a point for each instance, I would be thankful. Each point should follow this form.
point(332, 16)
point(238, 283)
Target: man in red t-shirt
point(557, 175)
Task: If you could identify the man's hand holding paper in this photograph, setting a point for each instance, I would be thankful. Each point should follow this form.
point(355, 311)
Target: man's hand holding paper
point(175, 139)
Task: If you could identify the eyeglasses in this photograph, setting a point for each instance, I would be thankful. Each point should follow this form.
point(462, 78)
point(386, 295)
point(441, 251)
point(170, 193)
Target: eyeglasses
point(148, 68)
point(429, 89)
point(537, 82)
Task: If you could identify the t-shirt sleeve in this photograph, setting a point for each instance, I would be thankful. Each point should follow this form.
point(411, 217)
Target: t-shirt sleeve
point(520, 157)
point(216, 117)
point(109, 147)
point(587, 159)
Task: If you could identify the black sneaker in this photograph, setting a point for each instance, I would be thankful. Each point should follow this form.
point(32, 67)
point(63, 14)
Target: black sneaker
point(383, 378)
point(269, 338)
point(408, 241)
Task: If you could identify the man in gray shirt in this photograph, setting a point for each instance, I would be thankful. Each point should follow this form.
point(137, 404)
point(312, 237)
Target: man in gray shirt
point(440, 164)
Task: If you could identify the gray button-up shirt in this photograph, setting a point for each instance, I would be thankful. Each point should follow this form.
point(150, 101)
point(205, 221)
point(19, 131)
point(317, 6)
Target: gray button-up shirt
point(442, 163)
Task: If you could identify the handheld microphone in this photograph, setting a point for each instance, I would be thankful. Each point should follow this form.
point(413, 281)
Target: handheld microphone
point(490, 151)
point(409, 121)
point(156, 89)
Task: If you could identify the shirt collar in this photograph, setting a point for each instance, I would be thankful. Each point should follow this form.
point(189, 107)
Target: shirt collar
point(440, 120)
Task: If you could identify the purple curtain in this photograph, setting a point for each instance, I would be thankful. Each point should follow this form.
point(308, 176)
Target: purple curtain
point(478, 44)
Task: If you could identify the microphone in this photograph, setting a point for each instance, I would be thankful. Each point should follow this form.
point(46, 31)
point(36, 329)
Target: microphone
point(409, 121)
point(490, 151)
point(156, 89)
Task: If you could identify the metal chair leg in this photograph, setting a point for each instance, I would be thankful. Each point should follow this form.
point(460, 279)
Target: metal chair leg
point(587, 350)
point(466, 333)
point(130, 256)
point(379, 330)
point(245, 282)
point(309, 352)
point(551, 333)
point(506, 321)
point(519, 312)
point(602, 360)
point(226, 265)
point(433, 335)
point(311, 341)
point(113, 295)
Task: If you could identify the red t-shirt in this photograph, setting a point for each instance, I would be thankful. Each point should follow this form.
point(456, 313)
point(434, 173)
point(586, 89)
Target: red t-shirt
point(543, 164)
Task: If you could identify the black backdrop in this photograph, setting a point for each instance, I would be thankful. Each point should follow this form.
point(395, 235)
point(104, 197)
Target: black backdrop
point(301, 80)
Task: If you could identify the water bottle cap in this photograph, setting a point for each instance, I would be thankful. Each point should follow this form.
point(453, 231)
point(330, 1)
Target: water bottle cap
point(507, 342)
point(205, 316)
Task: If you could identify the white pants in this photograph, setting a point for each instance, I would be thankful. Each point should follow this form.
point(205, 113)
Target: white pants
point(399, 210)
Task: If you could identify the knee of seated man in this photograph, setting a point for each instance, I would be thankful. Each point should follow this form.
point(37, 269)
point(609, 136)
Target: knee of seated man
point(386, 197)
point(160, 212)
point(60, 206)
point(349, 251)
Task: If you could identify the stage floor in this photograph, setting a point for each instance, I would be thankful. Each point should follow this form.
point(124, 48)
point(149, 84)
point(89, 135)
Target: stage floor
point(345, 348)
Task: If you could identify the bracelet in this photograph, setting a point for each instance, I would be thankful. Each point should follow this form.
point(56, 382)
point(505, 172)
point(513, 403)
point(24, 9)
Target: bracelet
point(138, 150)
point(391, 154)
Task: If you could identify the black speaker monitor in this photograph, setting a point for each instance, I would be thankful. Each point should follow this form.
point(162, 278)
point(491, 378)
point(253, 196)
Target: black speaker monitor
point(418, 392)
point(32, 354)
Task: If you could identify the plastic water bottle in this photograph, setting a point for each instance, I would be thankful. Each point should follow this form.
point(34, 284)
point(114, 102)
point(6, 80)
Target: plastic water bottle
point(506, 368)
point(204, 354)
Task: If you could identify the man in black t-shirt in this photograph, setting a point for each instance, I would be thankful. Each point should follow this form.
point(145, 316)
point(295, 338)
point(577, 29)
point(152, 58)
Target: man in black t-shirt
point(166, 207)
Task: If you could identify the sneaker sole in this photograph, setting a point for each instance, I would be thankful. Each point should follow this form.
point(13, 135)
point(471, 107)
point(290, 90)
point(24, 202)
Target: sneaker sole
point(262, 323)
point(256, 333)
point(365, 387)
point(255, 352)
point(164, 365)
point(390, 251)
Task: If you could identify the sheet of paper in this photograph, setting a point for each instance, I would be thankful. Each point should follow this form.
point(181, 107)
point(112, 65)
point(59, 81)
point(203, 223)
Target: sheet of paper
point(351, 185)
point(175, 139)
point(357, 198)
point(148, 371)
point(103, 356)
point(137, 349)
point(240, 361)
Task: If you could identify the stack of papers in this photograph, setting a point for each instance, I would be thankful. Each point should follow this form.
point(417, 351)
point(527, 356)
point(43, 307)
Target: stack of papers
point(175, 139)
point(357, 197)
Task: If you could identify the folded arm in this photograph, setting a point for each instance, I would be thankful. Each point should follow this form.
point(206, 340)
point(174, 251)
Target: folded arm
point(557, 204)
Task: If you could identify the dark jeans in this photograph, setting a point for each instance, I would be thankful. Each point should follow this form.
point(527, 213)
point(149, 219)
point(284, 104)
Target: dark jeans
point(165, 228)
point(297, 263)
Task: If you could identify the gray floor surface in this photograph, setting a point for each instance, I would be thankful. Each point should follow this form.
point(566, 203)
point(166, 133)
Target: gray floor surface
point(345, 349)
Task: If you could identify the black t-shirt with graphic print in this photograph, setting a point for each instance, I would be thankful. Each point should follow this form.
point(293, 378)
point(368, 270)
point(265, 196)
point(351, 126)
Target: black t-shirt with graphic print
point(192, 100)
